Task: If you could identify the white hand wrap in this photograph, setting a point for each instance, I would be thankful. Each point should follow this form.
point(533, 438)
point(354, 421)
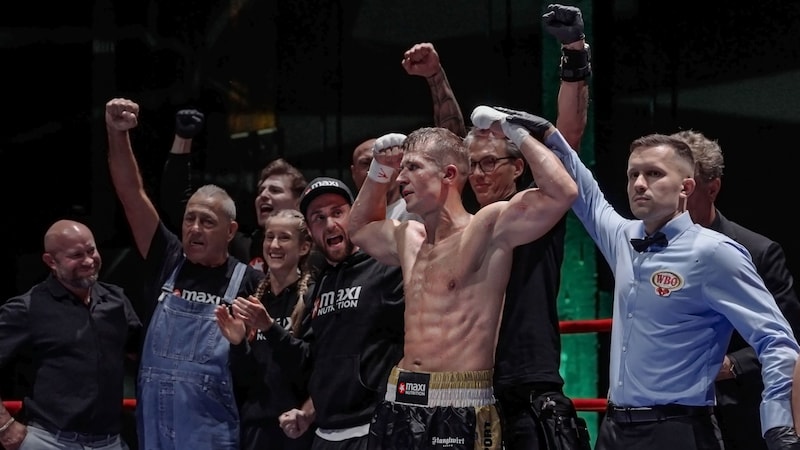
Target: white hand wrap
point(377, 171)
point(483, 116)
point(516, 133)
point(388, 140)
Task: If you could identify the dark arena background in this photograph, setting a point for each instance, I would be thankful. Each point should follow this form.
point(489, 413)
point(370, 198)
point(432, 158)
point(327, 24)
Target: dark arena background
point(308, 81)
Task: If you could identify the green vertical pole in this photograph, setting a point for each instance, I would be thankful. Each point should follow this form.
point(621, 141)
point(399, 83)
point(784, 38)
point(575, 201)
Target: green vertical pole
point(578, 293)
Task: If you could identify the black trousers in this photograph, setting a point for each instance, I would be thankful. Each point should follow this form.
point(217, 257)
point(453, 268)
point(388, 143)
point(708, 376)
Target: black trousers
point(669, 432)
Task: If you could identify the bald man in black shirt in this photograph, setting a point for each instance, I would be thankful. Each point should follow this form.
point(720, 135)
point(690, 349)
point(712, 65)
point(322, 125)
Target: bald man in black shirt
point(77, 330)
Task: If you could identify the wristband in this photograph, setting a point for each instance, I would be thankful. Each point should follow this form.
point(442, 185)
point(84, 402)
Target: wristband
point(8, 424)
point(576, 64)
point(379, 172)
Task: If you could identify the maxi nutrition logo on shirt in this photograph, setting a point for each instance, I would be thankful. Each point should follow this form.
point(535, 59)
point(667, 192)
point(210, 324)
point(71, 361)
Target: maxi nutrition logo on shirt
point(193, 296)
point(328, 302)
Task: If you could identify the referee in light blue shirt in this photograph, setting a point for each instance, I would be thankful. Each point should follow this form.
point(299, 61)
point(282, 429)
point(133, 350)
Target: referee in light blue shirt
point(680, 291)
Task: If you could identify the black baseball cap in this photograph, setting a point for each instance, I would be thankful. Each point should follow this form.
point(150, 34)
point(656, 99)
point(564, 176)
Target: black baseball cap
point(324, 185)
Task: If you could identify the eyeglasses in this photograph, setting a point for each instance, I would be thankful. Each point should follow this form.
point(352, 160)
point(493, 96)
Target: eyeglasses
point(487, 164)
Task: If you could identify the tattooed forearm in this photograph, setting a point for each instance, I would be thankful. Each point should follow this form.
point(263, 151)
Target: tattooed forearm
point(573, 103)
point(446, 111)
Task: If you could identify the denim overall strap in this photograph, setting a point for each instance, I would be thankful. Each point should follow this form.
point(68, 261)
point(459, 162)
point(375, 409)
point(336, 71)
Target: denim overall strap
point(236, 281)
point(185, 386)
point(169, 285)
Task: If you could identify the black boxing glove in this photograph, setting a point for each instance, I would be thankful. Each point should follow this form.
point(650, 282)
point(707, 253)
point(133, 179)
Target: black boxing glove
point(782, 438)
point(565, 23)
point(188, 122)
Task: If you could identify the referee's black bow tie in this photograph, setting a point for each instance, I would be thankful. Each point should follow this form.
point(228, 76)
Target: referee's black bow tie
point(659, 240)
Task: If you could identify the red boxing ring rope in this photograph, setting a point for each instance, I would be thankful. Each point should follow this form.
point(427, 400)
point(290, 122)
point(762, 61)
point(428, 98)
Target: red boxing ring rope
point(566, 326)
point(585, 326)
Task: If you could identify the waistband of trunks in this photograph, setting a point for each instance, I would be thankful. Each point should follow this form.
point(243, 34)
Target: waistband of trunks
point(459, 389)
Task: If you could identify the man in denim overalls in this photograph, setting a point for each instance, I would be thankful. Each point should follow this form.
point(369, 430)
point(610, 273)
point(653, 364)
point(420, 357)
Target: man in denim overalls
point(185, 395)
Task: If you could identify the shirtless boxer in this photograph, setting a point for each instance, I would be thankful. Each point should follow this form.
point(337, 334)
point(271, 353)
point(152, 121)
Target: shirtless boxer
point(455, 270)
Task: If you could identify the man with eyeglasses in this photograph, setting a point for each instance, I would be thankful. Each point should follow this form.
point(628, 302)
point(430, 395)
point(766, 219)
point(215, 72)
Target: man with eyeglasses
point(527, 382)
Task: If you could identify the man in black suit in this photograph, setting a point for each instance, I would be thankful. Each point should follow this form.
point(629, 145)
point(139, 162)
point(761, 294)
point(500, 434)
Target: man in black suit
point(738, 384)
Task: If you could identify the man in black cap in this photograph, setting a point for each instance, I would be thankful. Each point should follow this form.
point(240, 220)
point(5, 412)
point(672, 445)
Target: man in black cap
point(354, 323)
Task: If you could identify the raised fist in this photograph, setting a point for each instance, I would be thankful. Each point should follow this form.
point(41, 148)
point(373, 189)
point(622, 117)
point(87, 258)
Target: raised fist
point(536, 125)
point(188, 122)
point(482, 117)
point(121, 114)
point(488, 118)
point(565, 23)
point(388, 151)
point(422, 60)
